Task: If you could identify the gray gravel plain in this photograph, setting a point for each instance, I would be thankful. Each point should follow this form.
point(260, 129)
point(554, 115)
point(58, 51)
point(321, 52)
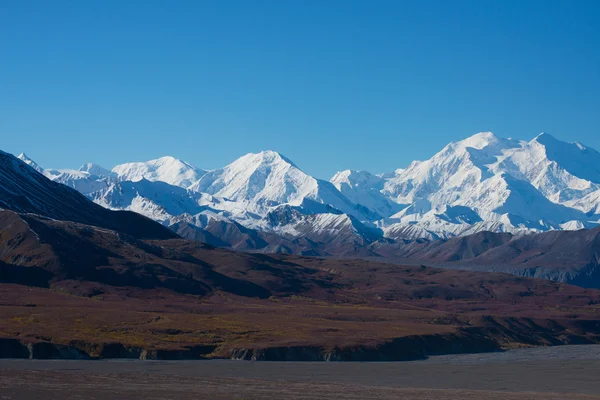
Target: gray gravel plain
point(567, 372)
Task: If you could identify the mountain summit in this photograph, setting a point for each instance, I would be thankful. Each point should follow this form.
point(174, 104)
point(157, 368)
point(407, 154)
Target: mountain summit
point(267, 179)
point(23, 157)
point(164, 169)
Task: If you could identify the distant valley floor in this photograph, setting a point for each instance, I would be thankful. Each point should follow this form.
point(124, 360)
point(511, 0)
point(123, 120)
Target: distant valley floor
point(551, 373)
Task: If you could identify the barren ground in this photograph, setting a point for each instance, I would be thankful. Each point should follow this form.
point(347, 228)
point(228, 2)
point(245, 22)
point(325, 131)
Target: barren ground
point(569, 372)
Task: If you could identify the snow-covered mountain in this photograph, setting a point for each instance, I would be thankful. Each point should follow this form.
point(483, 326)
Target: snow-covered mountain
point(157, 200)
point(364, 188)
point(164, 169)
point(481, 183)
point(499, 184)
point(262, 181)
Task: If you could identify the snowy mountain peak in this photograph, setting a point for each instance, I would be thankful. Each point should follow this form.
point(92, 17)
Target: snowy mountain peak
point(23, 157)
point(576, 159)
point(265, 177)
point(544, 136)
point(267, 157)
point(355, 179)
point(364, 188)
point(95, 170)
point(480, 140)
point(558, 147)
point(166, 160)
point(547, 140)
point(258, 182)
point(165, 169)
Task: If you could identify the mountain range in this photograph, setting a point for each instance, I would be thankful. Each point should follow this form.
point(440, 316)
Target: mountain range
point(80, 281)
point(266, 202)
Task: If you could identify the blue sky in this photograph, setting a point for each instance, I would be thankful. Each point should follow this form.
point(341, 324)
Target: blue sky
point(331, 84)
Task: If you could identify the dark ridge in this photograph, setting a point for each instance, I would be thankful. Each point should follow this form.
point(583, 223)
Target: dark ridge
point(24, 190)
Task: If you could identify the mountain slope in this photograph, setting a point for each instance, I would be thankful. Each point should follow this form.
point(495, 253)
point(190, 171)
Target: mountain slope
point(567, 256)
point(157, 200)
point(23, 157)
point(67, 251)
point(361, 187)
point(25, 190)
point(562, 172)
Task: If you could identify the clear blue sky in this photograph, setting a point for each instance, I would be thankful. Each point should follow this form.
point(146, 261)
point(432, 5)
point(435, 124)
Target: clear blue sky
point(332, 84)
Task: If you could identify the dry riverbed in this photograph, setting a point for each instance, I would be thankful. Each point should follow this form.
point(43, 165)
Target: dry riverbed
point(567, 372)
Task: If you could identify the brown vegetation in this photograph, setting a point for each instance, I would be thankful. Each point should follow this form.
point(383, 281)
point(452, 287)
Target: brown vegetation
point(111, 295)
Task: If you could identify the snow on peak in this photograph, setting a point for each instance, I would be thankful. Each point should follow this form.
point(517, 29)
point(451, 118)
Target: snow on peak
point(495, 177)
point(545, 137)
point(261, 181)
point(95, 170)
point(266, 157)
point(355, 179)
point(266, 177)
point(165, 169)
point(452, 173)
point(270, 154)
point(479, 140)
point(23, 157)
point(574, 158)
point(364, 188)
